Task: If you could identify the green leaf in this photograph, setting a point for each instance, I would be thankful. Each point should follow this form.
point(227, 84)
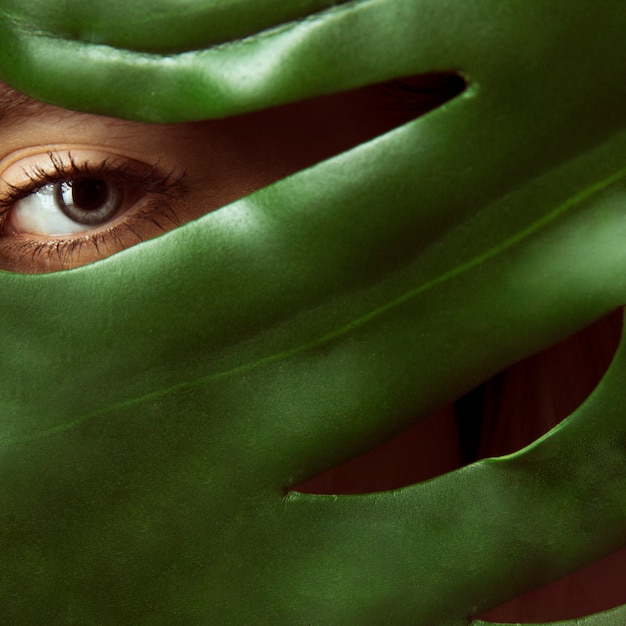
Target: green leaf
point(157, 406)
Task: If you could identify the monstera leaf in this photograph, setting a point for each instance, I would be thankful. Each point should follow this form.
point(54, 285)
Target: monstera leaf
point(158, 406)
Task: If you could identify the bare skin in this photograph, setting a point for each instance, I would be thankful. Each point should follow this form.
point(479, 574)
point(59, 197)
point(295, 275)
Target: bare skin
point(154, 176)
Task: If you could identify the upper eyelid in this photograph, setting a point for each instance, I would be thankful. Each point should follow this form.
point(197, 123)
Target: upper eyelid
point(150, 177)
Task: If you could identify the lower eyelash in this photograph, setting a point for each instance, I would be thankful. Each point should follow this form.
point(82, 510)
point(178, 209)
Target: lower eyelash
point(60, 252)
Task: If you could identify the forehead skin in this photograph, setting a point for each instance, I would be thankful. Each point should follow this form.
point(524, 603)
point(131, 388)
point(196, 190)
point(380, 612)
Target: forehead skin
point(249, 350)
point(14, 104)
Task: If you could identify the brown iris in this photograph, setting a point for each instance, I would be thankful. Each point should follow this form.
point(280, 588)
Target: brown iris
point(89, 201)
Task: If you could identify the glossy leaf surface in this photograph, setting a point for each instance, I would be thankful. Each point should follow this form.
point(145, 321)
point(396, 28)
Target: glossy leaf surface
point(158, 405)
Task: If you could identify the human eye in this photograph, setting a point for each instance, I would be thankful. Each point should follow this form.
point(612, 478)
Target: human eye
point(61, 209)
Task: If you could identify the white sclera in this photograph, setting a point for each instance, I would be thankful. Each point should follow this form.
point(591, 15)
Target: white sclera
point(39, 214)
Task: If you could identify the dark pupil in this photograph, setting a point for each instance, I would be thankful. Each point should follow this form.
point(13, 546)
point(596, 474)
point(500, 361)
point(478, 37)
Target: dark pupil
point(90, 194)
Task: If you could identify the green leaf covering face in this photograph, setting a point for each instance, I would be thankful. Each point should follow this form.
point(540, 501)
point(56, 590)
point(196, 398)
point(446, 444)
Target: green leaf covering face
point(158, 405)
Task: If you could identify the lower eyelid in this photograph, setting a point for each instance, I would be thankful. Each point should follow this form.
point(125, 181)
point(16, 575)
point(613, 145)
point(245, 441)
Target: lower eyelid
point(31, 254)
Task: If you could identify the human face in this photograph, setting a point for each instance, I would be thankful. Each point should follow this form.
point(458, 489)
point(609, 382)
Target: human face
point(75, 187)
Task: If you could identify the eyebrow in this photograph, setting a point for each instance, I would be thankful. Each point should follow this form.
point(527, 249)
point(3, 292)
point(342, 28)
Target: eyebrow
point(14, 104)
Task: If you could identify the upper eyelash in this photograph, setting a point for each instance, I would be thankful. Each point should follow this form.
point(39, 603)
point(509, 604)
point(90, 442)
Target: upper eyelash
point(153, 180)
